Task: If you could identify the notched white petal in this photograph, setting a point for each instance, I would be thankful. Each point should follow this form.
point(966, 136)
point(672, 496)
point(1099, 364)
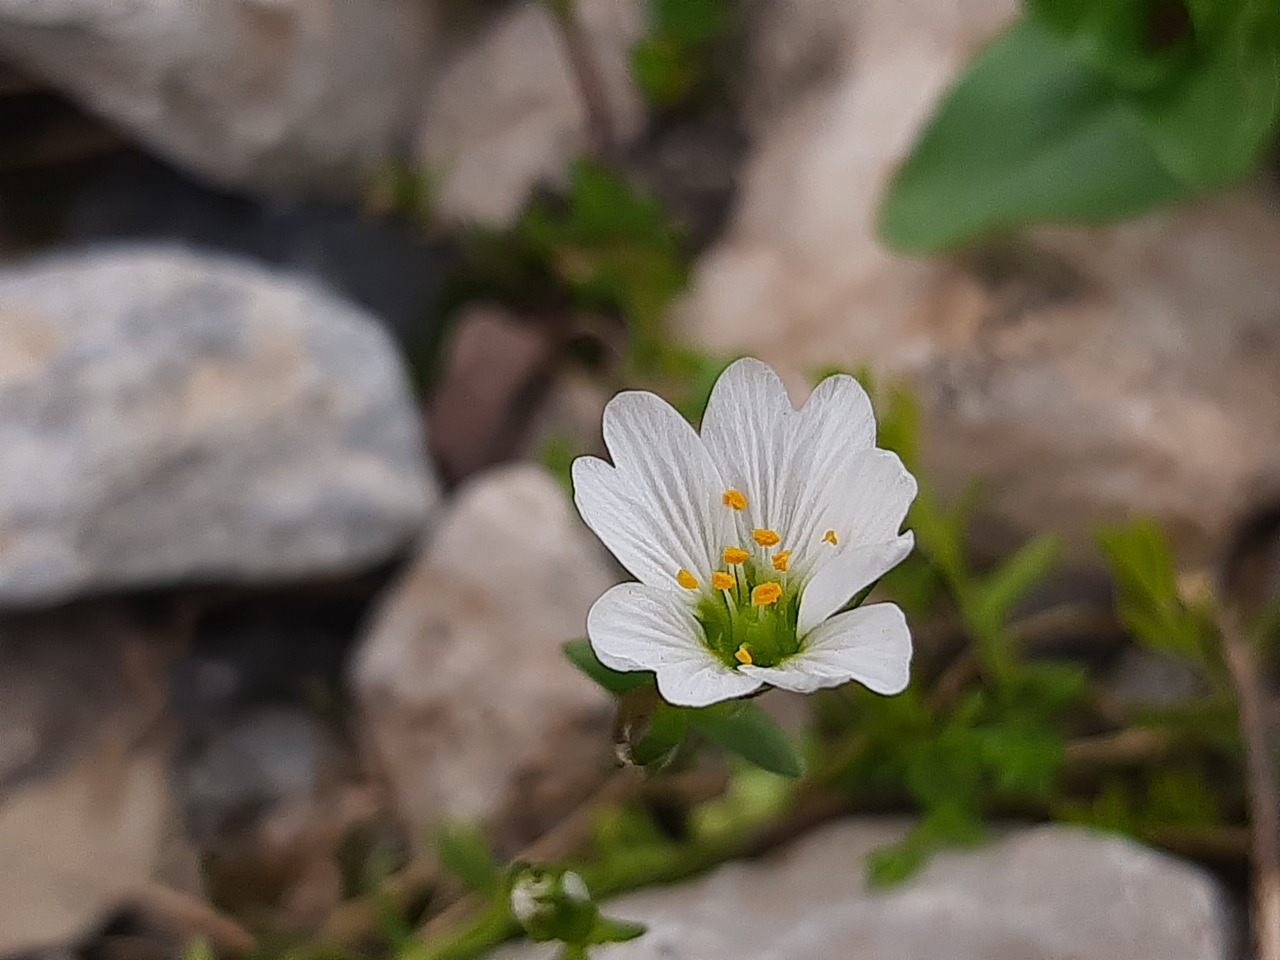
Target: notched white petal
point(654, 508)
point(871, 645)
point(744, 429)
point(636, 627)
point(837, 581)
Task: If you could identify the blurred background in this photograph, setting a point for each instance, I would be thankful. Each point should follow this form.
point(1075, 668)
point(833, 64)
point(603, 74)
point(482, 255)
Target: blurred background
point(306, 306)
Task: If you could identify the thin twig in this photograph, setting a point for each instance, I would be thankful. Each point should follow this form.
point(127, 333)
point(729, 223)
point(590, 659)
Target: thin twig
point(601, 129)
point(1264, 798)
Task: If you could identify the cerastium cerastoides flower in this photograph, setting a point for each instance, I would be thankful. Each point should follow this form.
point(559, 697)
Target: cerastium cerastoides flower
point(749, 540)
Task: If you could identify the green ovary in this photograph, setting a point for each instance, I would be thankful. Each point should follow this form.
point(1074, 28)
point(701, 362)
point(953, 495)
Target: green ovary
point(732, 623)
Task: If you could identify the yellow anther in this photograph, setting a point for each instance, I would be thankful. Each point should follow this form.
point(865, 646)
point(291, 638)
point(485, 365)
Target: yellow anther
point(766, 538)
point(734, 555)
point(723, 581)
point(687, 579)
point(743, 655)
point(766, 594)
point(782, 560)
point(735, 499)
point(830, 537)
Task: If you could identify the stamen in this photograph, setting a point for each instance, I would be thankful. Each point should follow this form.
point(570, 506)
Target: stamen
point(723, 581)
point(766, 594)
point(743, 655)
point(782, 560)
point(766, 538)
point(687, 579)
point(830, 537)
point(735, 500)
point(734, 555)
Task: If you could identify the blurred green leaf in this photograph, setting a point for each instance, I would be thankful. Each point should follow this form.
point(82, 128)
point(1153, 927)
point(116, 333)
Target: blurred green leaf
point(1027, 134)
point(667, 730)
point(744, 729)
point(1009, 582)
point(581, 655)
point(608, 930)
point(465, 852)
point(1147, 598)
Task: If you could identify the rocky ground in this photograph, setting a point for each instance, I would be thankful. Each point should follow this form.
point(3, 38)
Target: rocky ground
point(282, 583)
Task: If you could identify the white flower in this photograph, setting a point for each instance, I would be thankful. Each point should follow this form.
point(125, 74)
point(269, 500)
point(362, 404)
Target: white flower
point(748, 540)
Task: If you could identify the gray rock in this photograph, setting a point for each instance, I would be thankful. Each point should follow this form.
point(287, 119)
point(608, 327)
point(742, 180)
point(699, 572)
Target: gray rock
point(170, 417)
point(507, 114)
point(283, 97)
point(83, 801)
point(1043, 893)
point(1085, 374)
point(465, 694)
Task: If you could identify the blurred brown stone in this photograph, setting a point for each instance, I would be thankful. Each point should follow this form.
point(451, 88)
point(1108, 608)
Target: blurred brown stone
point(495, 369)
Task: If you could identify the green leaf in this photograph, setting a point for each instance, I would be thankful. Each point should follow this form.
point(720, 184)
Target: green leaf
point(745, 730)
point(667, 731)
point(464, 850)
point(1147, 598)
point(1210, 126)
point(608, 930)
point(580, 654)
point(1028, 134)
point(1010, 581)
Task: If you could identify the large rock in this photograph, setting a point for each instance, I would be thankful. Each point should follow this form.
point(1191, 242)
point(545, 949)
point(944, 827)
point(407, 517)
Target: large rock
point(508, 115)
point(1044, 893)
point(286, 96)
point(465, 694)
point(83, 799)
point(1085, 373)
point(169, 417)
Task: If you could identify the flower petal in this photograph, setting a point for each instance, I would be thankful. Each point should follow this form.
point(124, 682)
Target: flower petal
point(834, 428)
point(637, 627)
point(871, 645)
point(744, 428)
point(658, 509)
point(835, 582)
point(877, 491)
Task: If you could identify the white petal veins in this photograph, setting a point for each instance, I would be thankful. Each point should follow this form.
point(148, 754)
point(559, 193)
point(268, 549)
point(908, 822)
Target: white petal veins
point(658, 508)
point(637, 627)
point(871, 645)
point(836, 581)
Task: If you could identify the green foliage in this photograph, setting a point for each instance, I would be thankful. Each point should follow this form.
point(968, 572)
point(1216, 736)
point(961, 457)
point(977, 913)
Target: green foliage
point(1090, 111)
point(581, 655)
point(1147, 596)
point(745, 730)
point(739, 727)
point(605, 247)
point(465, 851)
point(670, 65)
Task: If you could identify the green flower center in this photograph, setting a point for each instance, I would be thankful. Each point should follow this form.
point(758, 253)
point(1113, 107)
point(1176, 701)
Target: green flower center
point(754, 620)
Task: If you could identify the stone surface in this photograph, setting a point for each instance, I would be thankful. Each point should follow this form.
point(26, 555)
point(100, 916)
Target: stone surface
point(170, 417)
point(282, 96)
point(465, 695)
point(1043, 893)
point(493, 371)
point(83, 800)
point(507, 114)
point(1086, 374)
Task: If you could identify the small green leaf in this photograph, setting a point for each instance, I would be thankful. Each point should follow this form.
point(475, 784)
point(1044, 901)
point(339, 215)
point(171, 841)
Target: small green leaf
point(667, 731)
point(745, 730)
point(1010, 581)
point(464, 850)
point(1147, 597)
point(581, 655)
point(1027, 134)
point(608, 930)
